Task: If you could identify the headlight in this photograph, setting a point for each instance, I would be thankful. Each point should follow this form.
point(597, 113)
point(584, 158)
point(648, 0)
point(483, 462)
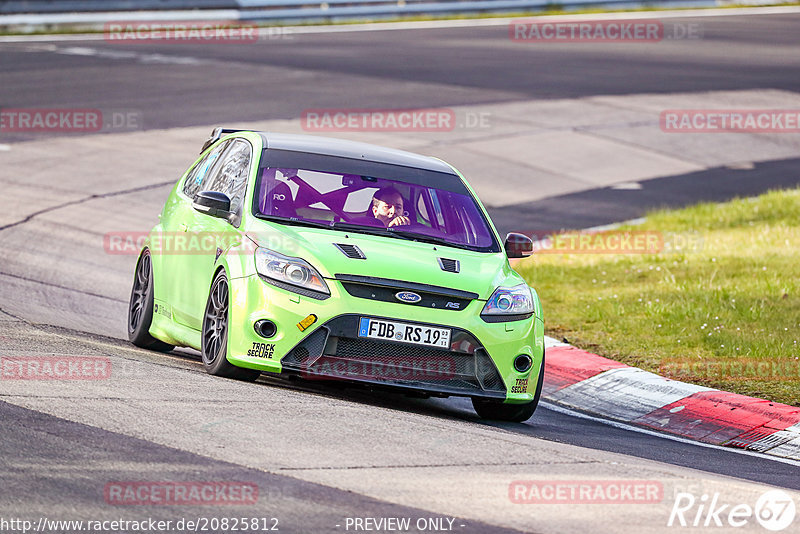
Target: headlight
point(515, 300)
point(293, 271)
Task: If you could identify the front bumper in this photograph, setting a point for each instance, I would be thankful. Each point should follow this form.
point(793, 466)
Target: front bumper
point(478, 363)
point(334, 351)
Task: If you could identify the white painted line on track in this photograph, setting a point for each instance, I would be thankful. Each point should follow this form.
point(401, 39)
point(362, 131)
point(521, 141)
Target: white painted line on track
point(434, 24)
point(623, 426)
point(5, 148)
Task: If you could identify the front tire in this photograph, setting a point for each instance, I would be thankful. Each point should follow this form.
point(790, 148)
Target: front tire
point(215, 334)
point(140, 307)
point(517, 413)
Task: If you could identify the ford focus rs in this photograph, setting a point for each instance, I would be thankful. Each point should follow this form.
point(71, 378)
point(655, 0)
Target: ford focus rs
point(336, 260)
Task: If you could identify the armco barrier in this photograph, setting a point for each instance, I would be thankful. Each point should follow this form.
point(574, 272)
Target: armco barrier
point(88, 6)
point(265, 10)
point(331, 9)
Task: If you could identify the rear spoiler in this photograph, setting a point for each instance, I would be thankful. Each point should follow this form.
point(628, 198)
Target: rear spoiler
point(216, 134)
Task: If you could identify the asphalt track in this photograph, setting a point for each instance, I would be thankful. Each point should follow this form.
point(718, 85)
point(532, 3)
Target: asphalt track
point(320, 454)
point(280, 77)
point(172, 85)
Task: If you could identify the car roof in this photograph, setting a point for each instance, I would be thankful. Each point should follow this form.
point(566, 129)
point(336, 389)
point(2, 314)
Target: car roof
point(342, 148)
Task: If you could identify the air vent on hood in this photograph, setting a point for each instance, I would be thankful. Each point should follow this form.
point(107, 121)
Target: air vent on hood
point(351, 251)
point(451, 266)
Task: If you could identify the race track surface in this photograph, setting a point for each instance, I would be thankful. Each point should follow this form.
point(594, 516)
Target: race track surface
point(572, 132)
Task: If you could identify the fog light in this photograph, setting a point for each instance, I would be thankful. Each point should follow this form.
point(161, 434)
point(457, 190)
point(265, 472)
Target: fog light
point(523, 363)
point(265, 328)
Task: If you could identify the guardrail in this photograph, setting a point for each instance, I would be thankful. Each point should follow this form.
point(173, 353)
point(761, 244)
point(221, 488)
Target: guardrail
point(385, 8)
point(265, 10)
point(88, 6)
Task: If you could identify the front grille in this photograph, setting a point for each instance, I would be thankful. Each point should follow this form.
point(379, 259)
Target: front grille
point(310, 349)
point(387, 294)
point(335, 351)
point(385, 289)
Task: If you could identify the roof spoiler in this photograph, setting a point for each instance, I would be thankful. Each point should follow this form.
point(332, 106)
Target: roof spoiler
point(216, 133)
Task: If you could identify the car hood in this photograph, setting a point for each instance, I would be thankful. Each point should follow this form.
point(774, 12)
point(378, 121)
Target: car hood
point(387, 257)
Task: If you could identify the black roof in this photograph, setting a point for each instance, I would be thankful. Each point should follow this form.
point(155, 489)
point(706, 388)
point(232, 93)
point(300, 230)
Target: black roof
point(329, 146)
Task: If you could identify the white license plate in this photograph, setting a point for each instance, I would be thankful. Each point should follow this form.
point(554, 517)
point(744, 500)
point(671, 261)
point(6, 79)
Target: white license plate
point(404, 333)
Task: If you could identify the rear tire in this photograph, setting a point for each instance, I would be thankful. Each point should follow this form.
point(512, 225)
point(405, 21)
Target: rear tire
point(517, 413)
point(140, 307)
point(215, 334)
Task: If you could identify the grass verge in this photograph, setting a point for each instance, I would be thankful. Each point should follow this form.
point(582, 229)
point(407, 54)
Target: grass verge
point(719, 305)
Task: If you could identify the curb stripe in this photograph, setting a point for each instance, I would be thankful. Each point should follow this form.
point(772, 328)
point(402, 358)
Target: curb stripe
point(601, 386)
point(719, 417)
point(566, 365)
point(789, 449)
point(625, 393)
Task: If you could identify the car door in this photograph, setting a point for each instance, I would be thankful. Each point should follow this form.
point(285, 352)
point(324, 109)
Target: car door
point(176, 220)
point(208, 237)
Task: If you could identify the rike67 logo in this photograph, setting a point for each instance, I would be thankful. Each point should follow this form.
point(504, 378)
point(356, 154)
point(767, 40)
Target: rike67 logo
point(774, 510)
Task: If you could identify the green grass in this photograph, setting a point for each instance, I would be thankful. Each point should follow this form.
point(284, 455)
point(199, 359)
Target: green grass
point(693, 315)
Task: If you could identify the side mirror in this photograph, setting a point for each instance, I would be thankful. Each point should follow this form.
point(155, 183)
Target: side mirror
point(212, 203)
point(518, 245)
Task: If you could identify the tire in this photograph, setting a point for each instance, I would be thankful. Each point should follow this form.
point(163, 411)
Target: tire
point(140, 307)
point(517, 413)
point(215, 334)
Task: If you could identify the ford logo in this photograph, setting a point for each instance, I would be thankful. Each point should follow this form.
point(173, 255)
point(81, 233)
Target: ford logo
point(407, 296)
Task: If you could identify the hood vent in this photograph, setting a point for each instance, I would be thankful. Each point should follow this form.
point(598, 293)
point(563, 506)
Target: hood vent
point(451, 266)
point(351, 251)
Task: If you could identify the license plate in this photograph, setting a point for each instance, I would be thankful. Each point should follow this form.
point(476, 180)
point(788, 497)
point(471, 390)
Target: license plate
point(404, 333)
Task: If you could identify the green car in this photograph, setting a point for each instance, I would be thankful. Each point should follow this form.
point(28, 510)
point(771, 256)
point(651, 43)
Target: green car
point(336, 260)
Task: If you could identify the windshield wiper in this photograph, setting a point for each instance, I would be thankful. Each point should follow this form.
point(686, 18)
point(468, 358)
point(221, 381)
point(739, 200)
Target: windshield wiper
point(333, 225)
point(427, 238)
point(374, 230)
point(293, 221)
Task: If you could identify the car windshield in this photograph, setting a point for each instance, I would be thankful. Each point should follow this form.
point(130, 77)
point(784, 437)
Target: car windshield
point(370, 204)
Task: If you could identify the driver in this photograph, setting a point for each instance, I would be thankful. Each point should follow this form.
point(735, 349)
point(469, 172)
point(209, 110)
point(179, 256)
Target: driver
point(387, 207)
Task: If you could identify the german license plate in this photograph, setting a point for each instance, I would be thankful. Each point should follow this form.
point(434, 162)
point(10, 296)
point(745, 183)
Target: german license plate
point(404, 333)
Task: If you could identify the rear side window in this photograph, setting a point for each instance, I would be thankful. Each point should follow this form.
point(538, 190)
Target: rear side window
point(200, 172)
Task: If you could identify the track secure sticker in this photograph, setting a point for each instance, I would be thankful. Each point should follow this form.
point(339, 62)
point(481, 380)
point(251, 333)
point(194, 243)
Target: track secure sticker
point(521, 386)
point(262, 350)
point(162, 309)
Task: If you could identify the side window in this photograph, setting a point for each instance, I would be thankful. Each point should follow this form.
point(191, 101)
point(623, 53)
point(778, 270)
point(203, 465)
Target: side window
point(196, 177)
point(230, 176)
